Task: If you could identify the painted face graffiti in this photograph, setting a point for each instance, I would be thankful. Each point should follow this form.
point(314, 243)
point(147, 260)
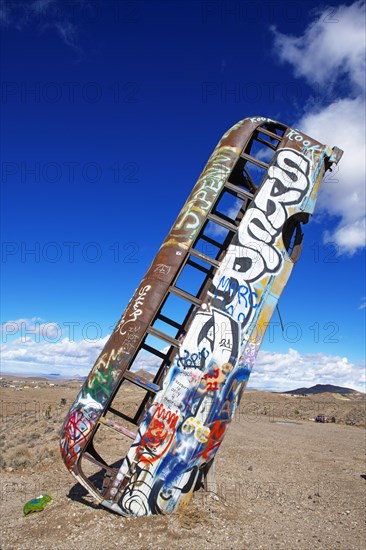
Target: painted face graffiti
point(210, 330)
point(156, 441)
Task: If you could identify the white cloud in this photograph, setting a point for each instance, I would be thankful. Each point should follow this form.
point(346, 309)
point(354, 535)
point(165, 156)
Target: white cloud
point(68, 33)
point(17, 325)
point(331, 54)
point(4, 14)
point(274, 371)
point(329, 49)
point(67, 358)
point(30, 329)
point(28, 355)
point(31, 345)
point(43, 15)
point(343, 191)
point(348, 236)
point(287, 371)
point(41, 6)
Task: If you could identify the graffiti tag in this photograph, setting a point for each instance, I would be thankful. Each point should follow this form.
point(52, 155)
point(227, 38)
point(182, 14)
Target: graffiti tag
point(136, 310)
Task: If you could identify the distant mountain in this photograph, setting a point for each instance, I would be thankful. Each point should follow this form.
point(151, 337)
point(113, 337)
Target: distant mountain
point(145, 374)
point(322, 388)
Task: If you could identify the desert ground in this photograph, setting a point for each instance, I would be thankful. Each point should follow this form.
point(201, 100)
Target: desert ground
point(282, 480)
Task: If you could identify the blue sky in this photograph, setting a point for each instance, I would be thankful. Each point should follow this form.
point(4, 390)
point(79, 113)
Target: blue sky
point(110, 111)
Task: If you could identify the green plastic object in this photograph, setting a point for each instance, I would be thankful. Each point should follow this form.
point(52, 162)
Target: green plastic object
point(36, 504)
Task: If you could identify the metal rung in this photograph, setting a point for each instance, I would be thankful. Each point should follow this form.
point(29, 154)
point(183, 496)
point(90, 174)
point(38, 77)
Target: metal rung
point(165, 319)
point(141, 381)
point(120, 414)
point(163, 336)
point(182, 294)
point(204, 258)
point(221, 221)
point(153, 351)
point(211, 241)
point(267, 143)
point(91, 458)
point(198, 266)
point(268, 133)
point(254, 160)
point(114, 426)
point(242, 193)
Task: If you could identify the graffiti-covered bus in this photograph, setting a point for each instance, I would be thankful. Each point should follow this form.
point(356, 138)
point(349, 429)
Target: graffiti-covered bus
point(146, 425)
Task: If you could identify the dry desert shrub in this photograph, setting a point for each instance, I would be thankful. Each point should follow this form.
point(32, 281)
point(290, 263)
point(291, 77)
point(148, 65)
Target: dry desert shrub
point(50, 451)
point(19, 457)
point(2, 461)
point(33, 440)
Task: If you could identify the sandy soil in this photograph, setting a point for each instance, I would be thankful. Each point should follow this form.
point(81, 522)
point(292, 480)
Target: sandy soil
point(283, 481)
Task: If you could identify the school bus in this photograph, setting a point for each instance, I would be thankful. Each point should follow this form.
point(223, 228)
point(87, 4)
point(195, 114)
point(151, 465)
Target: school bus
point(167, 383)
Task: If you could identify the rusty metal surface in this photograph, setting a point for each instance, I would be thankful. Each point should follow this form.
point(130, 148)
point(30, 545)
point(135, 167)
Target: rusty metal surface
point(182, 408)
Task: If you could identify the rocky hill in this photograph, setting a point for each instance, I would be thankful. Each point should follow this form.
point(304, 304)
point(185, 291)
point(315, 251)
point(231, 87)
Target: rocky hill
point(324, 388)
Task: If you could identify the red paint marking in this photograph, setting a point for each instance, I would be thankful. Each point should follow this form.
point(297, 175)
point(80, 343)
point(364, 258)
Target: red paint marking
point(214, 439)
point(161, 429)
